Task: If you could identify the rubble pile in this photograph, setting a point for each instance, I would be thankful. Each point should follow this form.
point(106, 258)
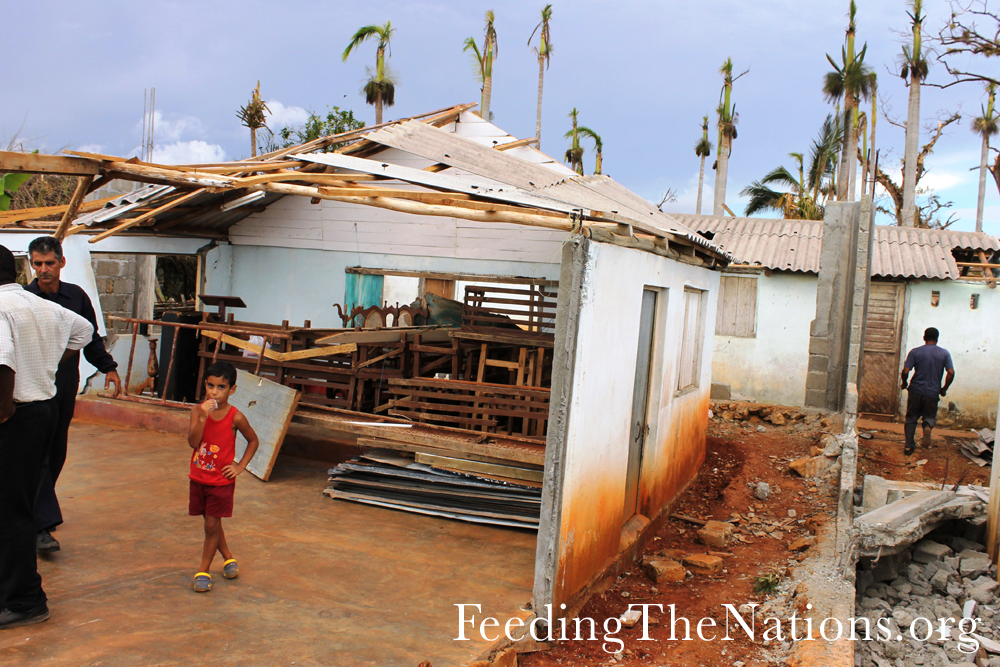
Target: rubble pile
point(757, 413)
point(941, 577)
point(979, 450)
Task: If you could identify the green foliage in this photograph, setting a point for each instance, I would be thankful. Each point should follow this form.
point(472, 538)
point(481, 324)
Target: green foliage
point(766, 584)
point(9, 183)
point(336, 121)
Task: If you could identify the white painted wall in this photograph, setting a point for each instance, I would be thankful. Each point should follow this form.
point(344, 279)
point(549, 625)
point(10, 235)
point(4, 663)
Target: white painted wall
point(298, 284)
point(972, 337)
point(772, 367)
point(597, 433)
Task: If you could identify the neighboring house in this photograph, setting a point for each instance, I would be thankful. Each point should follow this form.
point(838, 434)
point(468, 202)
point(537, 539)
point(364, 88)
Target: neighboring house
point(468, 203)
point(767, 302)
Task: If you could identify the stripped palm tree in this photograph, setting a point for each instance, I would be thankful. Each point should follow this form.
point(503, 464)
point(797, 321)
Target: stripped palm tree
point(985, 126)
point(702, 149)
point(483, 59)
point(796, 204)
point(598, 146)
point(380, 89)
point(574, 154)
point(851, 80)
point(913, 67)
point(728, 118)
point(254, 117)
point(869, 155)
point(544, 53)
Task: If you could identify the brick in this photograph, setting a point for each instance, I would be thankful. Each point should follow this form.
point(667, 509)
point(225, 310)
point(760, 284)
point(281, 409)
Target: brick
point(703, 563)
point(929, 551)
point(663, 570)
point(715, 534)
point(816, 381)
point(819, 345)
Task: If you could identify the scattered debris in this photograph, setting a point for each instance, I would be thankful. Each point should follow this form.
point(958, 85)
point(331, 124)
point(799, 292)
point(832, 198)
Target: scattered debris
point(979, 450)
point(762, 491)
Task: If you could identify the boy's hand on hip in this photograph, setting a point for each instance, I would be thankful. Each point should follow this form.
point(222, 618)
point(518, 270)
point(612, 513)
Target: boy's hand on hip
point(231, 471)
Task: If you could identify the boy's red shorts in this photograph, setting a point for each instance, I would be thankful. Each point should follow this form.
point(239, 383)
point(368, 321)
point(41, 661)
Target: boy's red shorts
point(208, 500)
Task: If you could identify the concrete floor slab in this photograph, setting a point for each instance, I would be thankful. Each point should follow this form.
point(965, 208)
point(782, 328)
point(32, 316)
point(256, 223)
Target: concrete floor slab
point(322, 582)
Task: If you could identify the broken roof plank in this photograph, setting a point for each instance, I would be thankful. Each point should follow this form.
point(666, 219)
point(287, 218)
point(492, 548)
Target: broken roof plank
point(145, 216)
point(82, 184)
point(35, 163)
point(469, 185)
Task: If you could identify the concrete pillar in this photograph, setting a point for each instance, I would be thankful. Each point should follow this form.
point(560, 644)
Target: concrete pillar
point(145, 287)
point(830, 333)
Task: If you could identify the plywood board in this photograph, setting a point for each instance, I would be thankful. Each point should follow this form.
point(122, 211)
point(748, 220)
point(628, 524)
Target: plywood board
point(268, 406)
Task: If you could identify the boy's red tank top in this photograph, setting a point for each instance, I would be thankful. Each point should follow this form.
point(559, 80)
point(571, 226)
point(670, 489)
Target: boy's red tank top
point(217, 450)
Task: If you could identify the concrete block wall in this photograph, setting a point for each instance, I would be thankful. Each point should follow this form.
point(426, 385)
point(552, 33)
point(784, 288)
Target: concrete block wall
point(116, 285)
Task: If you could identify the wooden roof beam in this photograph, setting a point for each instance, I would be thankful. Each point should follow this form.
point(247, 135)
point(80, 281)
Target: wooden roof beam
point(82, 186)
point(35, 163)
point(145, 216)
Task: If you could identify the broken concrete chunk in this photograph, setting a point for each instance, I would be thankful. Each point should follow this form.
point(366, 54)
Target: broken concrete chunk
point(631, 617)
point(928, 551)
point(832, 445)
point(663, 570)
point(974, 567)
point(716, 534)
point(777, 418)
point(810, 466)
point(762, 491)
point(703, 564)
point(906, 509)
point(802, 543)
point(960, 544)
point(983, 595)
point(940, 580)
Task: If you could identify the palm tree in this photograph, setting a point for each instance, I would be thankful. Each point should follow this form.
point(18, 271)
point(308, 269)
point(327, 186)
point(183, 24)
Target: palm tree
point(863, 134)
point(727, 132)
point(254, 116)
point(823, 156)
point(574, 154)
point(380, 89)
point(484, 62)
point(852, 81)
point(702, 149)
point(869, 156)
point(985, 126)
point(598, 146)
point(914, 67)
point(544, 53)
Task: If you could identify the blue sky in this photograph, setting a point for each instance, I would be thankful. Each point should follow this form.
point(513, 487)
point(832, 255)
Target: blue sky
point(642, 74)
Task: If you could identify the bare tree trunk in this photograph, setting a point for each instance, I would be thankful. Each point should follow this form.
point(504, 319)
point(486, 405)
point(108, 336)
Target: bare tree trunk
point(849, 149)
point(600, 162)
point(701, 182)
point(864, 177)
point(982, 183)
point(253, 142)
point(484, 110)
point(378, 107)
point(538, 116)
point(720, 177)
point(852, 179)
point(910, 154)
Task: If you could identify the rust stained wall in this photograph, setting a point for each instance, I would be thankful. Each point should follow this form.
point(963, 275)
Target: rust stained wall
point(592, 493)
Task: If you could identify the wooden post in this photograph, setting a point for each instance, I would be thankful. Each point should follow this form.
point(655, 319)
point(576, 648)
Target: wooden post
point(131, 354)
point(994, 506)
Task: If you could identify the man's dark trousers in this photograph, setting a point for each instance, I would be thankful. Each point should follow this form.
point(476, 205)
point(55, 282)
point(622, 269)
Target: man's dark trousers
point(47, 512)
point(24, 444)
point(917, 406)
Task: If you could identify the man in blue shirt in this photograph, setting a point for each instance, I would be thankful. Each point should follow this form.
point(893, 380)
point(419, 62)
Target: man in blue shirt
point(928, 363)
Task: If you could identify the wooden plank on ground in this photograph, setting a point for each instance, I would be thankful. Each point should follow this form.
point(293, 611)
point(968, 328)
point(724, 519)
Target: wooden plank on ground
point(269, 407)
point(511, 472)
point(280, 356)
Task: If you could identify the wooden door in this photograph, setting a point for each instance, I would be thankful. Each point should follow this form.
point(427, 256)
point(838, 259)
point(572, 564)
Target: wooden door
point(640, 402)
point(878, 391)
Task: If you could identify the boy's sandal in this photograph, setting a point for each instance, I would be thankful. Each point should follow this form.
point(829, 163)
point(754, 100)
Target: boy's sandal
point(230, 570)
point(202, 582)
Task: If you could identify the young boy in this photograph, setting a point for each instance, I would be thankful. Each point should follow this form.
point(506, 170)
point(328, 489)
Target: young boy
point(212, 436)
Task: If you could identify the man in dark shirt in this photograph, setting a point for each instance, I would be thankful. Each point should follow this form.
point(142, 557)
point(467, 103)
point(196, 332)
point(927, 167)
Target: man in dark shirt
point(928, 363)
point(46, 256)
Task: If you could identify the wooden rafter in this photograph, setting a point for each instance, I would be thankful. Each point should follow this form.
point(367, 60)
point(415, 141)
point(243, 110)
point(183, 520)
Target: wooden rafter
point(515, 144)
point(69, 215)
point(34, 163)
point(145, 216)
point(10, 217)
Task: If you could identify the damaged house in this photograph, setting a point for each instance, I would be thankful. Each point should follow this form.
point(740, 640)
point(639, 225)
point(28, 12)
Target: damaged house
point(920, 278)
point(436, 289)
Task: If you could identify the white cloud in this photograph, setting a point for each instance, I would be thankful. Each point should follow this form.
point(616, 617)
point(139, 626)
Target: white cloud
point(282, 116)
point(175, 127)
point(942, 180)
point(188, 152)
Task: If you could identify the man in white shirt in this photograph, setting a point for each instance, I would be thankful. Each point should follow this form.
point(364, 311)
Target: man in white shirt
point(34, 336)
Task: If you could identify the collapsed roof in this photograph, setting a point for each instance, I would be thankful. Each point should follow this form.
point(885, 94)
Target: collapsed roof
point(487, 177)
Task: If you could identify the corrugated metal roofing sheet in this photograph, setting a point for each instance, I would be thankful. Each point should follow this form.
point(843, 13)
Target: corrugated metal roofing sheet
point(795, 245)
point(596, 193)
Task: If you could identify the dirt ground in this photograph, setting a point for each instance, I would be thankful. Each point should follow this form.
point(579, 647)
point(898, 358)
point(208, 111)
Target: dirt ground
point(740, 454)
point(882, 455)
